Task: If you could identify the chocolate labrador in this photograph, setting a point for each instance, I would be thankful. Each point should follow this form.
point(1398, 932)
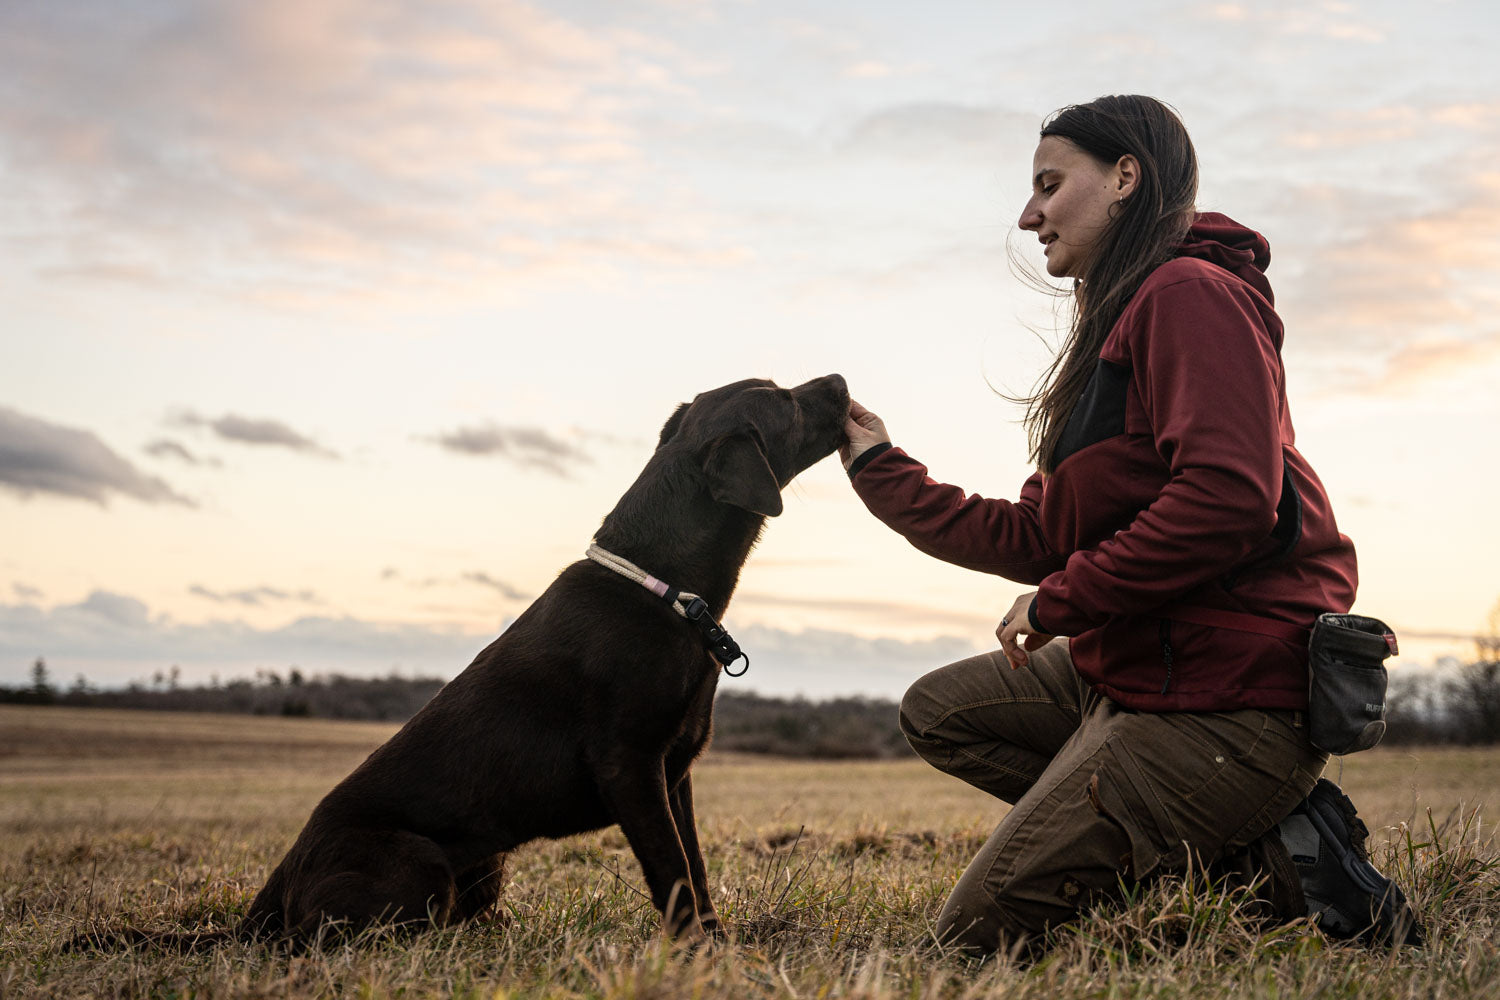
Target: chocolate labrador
point(589, 710)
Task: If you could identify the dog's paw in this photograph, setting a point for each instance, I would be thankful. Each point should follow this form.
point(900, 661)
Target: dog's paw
point(689, 932)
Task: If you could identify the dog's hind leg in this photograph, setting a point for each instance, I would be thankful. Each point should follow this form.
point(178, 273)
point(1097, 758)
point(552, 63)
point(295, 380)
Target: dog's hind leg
point(391, 877)
point(266, 916)
point(479, 887)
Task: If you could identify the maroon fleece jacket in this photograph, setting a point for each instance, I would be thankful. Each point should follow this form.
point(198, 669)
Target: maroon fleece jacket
point(1179, 487)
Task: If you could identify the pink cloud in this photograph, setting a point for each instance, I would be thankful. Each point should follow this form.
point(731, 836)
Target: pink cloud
point(1425, 361)
point(338, 144)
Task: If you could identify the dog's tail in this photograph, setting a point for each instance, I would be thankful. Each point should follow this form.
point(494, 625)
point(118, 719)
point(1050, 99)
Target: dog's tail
point(134, 937)
point(254, 927)
point(262, 921)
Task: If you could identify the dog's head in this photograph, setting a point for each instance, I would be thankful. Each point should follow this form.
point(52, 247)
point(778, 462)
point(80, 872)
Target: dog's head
point(751, 438)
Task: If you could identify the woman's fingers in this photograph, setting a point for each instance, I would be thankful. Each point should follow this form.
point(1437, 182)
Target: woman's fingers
point(1015, 624)
point(1037, 640)
point(862, 431)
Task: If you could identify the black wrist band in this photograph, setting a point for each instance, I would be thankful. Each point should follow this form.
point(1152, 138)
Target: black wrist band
point(866, 456)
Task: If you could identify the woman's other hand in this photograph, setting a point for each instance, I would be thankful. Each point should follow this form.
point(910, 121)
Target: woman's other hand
point(862, 431)
point(1015, 624)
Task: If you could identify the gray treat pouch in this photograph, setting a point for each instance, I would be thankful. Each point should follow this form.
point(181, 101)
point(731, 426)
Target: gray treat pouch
point(1346, 682)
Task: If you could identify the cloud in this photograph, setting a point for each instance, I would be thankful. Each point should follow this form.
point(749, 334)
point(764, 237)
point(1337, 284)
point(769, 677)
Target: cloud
point(113, 638)
point(868, 69)
point(1401, 287)
point(255, 596)
point(25, 591)
point(322, 147)
point(505, 590)
point(1426, 360)
point(165, 448)
point(823, 663)
point(934, 129)
point(41, 457)
point(1375, 128)
point(529, 447)
point(890, 612)
point(255, 431)
point(1335, 21)
point(119, 610)
point(1381, 274)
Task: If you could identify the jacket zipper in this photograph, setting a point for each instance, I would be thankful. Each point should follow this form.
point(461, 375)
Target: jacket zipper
point(1165, 632)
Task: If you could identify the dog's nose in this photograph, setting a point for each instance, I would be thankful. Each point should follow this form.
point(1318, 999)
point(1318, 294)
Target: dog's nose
point(835, 382)
point(825, 391)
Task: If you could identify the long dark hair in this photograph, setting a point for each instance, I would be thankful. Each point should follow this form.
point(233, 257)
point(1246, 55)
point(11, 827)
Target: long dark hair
point(1142, 234)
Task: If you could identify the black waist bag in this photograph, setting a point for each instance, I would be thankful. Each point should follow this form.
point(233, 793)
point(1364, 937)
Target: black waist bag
point(1346, 682)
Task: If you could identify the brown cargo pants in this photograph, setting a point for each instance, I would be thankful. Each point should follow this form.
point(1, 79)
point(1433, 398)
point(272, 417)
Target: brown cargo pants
point(1099, 793)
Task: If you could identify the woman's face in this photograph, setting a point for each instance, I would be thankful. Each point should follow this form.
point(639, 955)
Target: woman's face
point(1072, 195)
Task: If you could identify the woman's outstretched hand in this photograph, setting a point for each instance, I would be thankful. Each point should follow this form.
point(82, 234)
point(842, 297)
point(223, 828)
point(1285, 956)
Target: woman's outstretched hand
point(1016, 624)
point(862, 431)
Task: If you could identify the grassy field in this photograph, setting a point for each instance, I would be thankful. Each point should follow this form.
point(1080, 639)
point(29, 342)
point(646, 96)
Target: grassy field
point(829, 875)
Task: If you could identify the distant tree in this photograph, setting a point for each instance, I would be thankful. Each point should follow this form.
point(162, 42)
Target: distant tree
point(1474, 696)
point(295, 678)
point(41, 686)
point(174, 678)
point(841, 728)
point(1416, 710)
point(1489, 643)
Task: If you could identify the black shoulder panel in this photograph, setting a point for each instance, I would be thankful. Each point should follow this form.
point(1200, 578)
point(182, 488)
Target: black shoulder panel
point(1099, 413)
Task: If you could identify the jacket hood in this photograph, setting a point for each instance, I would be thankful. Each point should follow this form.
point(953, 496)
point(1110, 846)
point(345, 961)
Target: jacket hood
point(1242, 252)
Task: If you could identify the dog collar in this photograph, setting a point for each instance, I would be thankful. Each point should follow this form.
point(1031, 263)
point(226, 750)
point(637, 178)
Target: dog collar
point(690, 606)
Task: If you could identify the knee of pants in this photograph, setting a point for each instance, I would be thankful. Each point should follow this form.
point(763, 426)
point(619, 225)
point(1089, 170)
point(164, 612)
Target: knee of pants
point(921, 706)
point(979, 924)
point(916, 712)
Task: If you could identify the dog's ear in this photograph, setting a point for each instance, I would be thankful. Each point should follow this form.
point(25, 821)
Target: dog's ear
point(673, 422)
point(739, 474)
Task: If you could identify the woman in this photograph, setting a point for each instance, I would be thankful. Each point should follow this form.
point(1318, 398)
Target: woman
point(1173, 531)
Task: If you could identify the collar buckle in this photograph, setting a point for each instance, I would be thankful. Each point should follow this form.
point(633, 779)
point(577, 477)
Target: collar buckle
point(695, 609)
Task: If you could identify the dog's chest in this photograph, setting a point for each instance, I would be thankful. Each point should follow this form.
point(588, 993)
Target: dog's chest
point(697, 720)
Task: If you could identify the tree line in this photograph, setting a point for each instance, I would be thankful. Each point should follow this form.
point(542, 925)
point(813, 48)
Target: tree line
point(1460, 708)
point(746, 723)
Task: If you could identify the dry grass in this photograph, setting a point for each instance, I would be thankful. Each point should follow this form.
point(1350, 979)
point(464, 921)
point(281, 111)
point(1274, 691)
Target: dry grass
point(829, 875)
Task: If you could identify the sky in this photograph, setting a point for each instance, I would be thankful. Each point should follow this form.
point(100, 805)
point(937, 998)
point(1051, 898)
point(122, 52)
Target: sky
point(331, 329)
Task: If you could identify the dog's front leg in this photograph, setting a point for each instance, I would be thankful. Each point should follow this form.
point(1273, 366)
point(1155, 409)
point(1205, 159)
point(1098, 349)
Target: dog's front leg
point(636, 794)
point(687, 831)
